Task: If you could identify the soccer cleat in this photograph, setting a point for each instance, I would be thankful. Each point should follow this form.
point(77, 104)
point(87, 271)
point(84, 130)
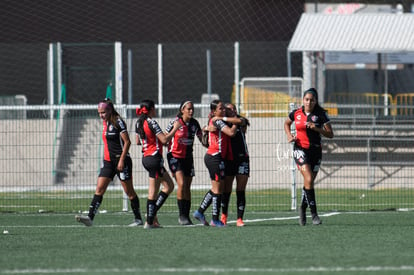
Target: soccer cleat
point(217, 223)
point(200, 217)
point(240, 222)
point(302, 216)
point(155, 221)
point(151, 226)
point(137, 222)
point(224, 218)
point(316, 220)
point(182, 220)
point(84, 219)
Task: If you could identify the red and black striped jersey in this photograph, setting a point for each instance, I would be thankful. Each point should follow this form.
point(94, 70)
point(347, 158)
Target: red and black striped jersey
point(112, 140)
point(181, 145)
point(150, 144)
point(305, 137)
point(238, 142)
point(219, 142)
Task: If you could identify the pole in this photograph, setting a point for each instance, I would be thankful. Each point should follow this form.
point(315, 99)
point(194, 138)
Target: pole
point(130, 81)
point(293, 165)
point(118, 72)
point(50, 78)
point(208, 61)
point(160, 99)
point(237, 75)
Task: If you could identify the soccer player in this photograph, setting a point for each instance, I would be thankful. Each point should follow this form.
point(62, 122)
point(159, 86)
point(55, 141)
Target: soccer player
point(152, 138)
point(238, 168)
point(218, 150)
point(311, 121)
point(180, 157)
point(116, 161)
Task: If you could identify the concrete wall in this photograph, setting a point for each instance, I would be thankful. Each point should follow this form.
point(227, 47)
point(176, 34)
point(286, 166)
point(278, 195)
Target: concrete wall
point(29, 154)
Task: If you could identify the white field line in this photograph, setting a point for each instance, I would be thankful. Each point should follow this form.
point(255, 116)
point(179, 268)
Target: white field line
point(164, 226)
point(214, 270)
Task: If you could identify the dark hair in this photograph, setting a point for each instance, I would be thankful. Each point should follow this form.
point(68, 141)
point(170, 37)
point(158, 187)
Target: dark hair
point(213, 107)
point(113, 114)
point(145, 106)
point(314, 92)
point(182, 104)
point(238, 115)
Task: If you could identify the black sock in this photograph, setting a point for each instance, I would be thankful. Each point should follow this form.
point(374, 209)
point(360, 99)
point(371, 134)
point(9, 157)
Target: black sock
point(135, 208)
point(181, 209)
point(206, 201)
point(216, 206)
point(225, 200)
point(151, 211)
point(311, 201)
point(187, 208)
point(93, 207)
point(304, 201)
point(241, 203)
point(162, 197)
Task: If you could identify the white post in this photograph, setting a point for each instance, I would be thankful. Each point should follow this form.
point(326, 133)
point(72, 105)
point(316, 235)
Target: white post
point(237, 75)
point(208, 61)
point(50, 79)
point(385, 64)
point(130, 81)
point(59, 68)
point(307, 70)
point(160, 80)
point(293, 165)
point(118, 72)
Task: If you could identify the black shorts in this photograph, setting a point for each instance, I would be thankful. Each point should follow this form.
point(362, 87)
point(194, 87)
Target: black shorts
point(240, 166)
point(186, 165)
point(154, 165)
point(109, 169)
point(215, 166)
point(311, 156)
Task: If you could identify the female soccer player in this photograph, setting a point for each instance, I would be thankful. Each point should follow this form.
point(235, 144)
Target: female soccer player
point(152, 138)
point(218, 150)
point(238, 168)
point(116, 162)
point(180, 157)
point(311, 121)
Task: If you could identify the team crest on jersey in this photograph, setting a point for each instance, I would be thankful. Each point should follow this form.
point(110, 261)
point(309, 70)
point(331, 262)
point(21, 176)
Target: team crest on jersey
point(314, 118)
point(111, 128)
point(298, 117)
point(193, 128)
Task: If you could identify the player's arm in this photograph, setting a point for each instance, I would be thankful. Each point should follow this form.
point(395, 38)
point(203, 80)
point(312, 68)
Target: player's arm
point(164, 138)
point(288, 123)
point(125, 149)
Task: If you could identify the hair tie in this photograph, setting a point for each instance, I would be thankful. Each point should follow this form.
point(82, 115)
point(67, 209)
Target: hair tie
point(103, 105)
point(141, 111)
point(185, 103)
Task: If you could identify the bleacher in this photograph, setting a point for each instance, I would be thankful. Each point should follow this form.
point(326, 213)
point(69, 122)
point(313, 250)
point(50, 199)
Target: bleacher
point(371, 131)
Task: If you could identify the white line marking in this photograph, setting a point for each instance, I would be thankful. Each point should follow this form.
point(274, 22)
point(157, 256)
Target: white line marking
point(166, 226)
point(211, 270)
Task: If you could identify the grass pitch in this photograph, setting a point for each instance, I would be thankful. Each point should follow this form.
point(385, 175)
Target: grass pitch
point(377, 242)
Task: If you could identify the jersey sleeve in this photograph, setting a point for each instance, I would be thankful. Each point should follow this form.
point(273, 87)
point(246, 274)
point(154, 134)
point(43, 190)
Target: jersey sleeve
point(121, 125)
point(198, 130)
point(154, 126)
point(219, 124)
point(291, 115)
point(325, 118)
point(170, 125)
